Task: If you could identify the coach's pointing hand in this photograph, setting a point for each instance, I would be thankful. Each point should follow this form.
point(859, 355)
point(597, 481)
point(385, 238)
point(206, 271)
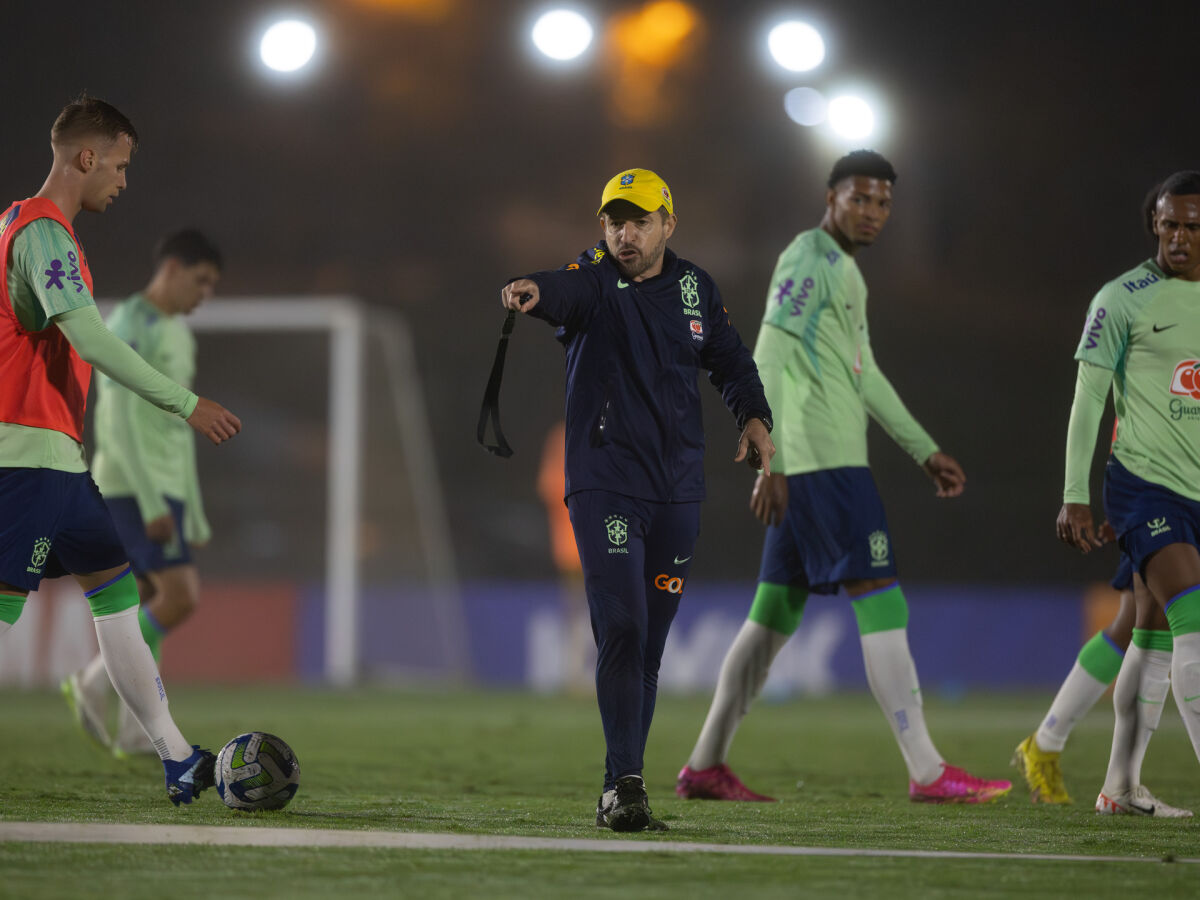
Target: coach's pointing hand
point(521, 295)
point(755, 446)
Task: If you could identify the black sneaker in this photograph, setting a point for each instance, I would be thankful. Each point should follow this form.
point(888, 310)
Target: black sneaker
point(624, 808)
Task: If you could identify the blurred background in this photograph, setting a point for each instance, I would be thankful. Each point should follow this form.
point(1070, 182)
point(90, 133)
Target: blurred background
point(429, 150)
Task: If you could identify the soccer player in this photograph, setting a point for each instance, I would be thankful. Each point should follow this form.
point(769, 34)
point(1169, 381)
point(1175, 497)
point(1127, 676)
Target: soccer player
point(637, 321)
point(1140, 337)
point(826, 524)
point(145, 466)
point(54, 521)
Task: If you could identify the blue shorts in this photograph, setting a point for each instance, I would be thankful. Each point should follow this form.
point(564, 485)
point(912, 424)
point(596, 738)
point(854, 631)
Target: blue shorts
point(53, 523)
point(1123, 580)
point(1147, 516)
point(144, 554)
point(835, 530)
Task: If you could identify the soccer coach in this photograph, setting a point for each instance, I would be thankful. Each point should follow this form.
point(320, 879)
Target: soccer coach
point(637, 321)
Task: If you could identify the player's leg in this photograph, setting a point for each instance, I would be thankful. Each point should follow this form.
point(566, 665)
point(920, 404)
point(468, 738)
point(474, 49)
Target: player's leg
point(176, 591)
point(774, 616)
point(12, 601)
point(89, 548)
point(1138, 699)
point(1038, 756)
point(610, 532)
point(1173, 576)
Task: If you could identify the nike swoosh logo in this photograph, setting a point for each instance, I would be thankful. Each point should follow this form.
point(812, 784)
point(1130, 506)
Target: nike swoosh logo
point(1191, 698)
point(624, 284)
point(1144, 810)
point(1164, 328)
point(680, 562)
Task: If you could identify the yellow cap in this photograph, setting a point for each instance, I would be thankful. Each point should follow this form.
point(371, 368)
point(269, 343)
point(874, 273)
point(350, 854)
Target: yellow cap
point(641, 187)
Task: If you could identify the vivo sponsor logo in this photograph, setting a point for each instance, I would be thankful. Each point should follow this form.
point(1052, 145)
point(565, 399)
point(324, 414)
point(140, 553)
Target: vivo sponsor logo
point(1094, 327)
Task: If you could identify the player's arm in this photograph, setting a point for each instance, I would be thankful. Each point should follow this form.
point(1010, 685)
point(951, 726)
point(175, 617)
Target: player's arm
point(196, 530)
point(99, 347)
point(884, 405)
point(1075, 525)
point(773, 354)
point(565, 298)
point(1101, 352)
point(732, 371)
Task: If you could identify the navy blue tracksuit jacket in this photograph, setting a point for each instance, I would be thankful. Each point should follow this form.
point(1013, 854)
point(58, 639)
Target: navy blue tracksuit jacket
point(633, 419)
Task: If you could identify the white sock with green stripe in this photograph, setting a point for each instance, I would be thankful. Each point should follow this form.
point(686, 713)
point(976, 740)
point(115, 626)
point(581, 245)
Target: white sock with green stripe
point(131, 666)
point(892, 674)
point(1097, 665)
point(1138, 699)
point(1183, 612)
point(774, 616)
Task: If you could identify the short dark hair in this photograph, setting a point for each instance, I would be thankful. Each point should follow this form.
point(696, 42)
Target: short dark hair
point(1180, 184)
point(867, 163)
point(85, 116)
point(188, 246)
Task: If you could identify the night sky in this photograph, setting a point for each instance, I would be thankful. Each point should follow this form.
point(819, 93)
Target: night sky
point(428, 157)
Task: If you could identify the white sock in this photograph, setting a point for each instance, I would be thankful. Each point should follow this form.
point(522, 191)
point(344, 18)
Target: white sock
point(1185, 674)
point(134, 674)
point(893, 679)
point(1078, 694)
point(1152, 696)
point(1125, 726)
point(743, 674)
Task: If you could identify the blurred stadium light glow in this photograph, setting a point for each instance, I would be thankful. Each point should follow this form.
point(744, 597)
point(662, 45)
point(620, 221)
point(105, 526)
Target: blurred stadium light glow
point(288, 45)
point(805, 106)
point(851, 116)
point(656, 34)
point(562, 34)
point(796, 46)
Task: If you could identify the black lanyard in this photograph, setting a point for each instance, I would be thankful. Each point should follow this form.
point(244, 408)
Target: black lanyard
point(491, 396)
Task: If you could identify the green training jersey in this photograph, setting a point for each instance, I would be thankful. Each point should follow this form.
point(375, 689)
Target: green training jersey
point(814, 357)
point(142, 451)
point(1145, 327)
point(34, 248)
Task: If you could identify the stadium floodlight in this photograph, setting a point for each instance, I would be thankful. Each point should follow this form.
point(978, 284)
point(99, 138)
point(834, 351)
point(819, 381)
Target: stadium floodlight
point(288, 45)
point(851, 117)
point(805, 106)
point(796, 46)
point(562, 34)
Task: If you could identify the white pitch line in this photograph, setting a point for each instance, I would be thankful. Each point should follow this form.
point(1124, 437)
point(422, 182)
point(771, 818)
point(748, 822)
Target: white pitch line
point(233, 836)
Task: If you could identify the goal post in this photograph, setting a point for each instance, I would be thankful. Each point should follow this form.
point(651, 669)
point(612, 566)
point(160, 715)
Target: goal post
point(354, 330)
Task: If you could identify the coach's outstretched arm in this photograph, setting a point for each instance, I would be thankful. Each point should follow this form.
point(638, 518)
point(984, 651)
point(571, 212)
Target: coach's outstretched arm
point(99, 347)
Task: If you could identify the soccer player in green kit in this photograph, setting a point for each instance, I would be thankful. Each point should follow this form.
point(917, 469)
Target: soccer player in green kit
point(145, 466)
point(1142, 337)
point(53, 520)
point(826, 524)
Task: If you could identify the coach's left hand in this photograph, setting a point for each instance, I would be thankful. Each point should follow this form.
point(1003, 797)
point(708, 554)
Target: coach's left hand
point(755, 446)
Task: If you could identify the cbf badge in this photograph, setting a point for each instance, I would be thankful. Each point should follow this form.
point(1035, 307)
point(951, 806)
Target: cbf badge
point(689, 289)
point(41, 549)
point(617, 528)
point(878, 542)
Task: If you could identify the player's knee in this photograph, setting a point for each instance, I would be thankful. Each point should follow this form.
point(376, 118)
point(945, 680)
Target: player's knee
point(779, 607)
point(884, 609)
point(10, 607)
point(113, 597)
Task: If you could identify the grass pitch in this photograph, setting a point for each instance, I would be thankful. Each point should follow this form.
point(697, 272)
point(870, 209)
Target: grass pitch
point(520, 764)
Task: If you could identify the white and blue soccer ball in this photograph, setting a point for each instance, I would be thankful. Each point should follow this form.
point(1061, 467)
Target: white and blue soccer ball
point(257, 771)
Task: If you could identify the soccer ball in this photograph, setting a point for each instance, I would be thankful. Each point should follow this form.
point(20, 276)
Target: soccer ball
point(257, 771)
